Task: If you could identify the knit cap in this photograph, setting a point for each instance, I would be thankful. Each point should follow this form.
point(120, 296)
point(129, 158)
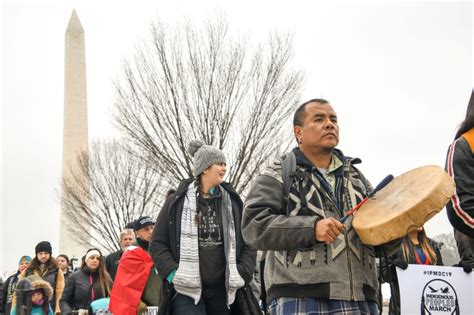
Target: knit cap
point(24, 258)
point(204, 156)
point(43, 246)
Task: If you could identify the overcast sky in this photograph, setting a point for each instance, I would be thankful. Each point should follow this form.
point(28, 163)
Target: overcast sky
point(399, 76)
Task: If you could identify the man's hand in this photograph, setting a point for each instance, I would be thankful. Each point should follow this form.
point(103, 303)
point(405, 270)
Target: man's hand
point(327, 230)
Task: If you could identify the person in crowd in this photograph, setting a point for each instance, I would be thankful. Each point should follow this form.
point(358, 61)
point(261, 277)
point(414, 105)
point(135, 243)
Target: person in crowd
point(313, 261)
point(90, 283)
point(42, 293)
point(465, 247)
point(8, 287)
point(197, 245)
point(112, 260)
point(137, 284)
point(63, 264)
point(460, 166)
point(416, 249)
point(130, 225)
point(46, 266)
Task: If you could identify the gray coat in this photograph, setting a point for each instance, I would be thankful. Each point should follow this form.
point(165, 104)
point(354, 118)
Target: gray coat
point(296, 264)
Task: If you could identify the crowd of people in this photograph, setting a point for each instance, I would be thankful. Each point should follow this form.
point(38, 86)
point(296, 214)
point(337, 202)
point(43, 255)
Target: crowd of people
point(200, 255)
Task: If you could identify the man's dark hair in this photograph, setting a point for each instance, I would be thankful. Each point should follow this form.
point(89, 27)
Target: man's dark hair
point(299, 117)
point(468, 122)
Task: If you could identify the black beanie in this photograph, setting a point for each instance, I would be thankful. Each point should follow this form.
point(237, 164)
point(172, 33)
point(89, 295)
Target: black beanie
point(43, 246)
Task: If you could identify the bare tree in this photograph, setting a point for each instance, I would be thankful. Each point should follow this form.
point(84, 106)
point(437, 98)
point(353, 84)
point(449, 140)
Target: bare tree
point(106, 190)
point(449, 250)
point(198, 83)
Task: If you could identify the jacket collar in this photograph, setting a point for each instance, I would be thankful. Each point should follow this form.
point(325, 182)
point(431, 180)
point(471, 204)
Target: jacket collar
point(302, 160)
point(183, 188)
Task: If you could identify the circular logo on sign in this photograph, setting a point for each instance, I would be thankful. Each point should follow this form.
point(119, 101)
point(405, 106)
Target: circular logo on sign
point(439, 297)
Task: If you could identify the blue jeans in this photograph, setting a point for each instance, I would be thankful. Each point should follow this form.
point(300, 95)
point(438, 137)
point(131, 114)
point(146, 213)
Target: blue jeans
point(212, 302)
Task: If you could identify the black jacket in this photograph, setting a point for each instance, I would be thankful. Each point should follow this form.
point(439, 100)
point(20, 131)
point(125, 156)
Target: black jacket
point(165, 241)
point(460, 166)
point(78, 291)
point(8, 290)
point(111, 263)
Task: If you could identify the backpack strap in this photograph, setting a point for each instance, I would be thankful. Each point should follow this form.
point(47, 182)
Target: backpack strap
point(288, 166)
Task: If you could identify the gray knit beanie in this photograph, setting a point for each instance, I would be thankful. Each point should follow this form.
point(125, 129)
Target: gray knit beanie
point(204, 156)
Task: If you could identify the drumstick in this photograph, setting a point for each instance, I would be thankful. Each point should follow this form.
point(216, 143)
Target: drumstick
point(381, 185)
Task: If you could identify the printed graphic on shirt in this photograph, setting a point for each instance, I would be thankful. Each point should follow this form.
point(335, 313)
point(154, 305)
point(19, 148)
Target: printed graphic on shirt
point(210, 227)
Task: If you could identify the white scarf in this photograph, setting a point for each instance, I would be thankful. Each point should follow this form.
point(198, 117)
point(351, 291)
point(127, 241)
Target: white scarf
point(187, 279)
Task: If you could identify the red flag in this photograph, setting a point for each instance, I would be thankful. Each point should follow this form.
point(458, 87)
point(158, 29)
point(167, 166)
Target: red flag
point(132, 275)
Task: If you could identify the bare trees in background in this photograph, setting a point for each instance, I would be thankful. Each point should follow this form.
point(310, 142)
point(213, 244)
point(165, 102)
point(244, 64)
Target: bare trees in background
point(449, 249)
point(199, 83)
point(106, 190)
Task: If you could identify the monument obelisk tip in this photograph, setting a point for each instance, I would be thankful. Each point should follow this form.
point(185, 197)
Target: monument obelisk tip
point(74, 25)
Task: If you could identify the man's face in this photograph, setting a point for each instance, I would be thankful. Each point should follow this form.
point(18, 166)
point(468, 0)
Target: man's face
point(320, 129)
point(43, 257)
point(145, 232)
point(127, 240)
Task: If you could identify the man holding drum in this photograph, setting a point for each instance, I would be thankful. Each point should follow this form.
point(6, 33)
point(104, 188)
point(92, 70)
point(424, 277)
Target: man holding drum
point(313, 262)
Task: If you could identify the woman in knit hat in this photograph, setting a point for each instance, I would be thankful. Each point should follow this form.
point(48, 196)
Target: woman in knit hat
point(40, 297)
point(90, 283)
point(197, 245)
point(9, 285)
point(46, 266)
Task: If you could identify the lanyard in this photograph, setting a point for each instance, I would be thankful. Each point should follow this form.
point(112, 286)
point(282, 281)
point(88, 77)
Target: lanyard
point(92, 287)
point(418, 260)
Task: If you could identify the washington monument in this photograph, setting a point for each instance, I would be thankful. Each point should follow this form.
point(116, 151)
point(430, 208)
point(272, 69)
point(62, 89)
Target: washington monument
point(75, 133)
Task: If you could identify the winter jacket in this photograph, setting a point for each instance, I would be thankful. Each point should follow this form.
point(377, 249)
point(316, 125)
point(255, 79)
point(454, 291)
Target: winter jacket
point(389, 273)
point(55, 278)
point(35, 310)
point(38, 283)
point(165, 241)
point(78, 291)
point(8, 291)
point(111, 263)
point(460, 166)
point(297, 265)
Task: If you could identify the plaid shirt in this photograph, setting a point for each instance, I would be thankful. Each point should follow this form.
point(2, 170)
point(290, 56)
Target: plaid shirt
point(312, 306)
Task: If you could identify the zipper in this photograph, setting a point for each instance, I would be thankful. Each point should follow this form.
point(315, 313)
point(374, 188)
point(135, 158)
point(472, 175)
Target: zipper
point(349, 205)
point(349, 266)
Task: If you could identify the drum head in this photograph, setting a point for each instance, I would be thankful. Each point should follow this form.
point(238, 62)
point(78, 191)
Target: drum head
point(406, 203)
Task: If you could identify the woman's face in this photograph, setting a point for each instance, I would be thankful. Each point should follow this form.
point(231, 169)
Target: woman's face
point(37, 297)
point(93, 262)
point(214, 175)
point(62, 263)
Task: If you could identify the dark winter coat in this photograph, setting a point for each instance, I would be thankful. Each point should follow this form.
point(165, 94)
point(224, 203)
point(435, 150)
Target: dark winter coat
point(8, 290)
point(460, 166)
point(78, 291)
point(55, 278)
point(111, 263)
point(165, 241)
